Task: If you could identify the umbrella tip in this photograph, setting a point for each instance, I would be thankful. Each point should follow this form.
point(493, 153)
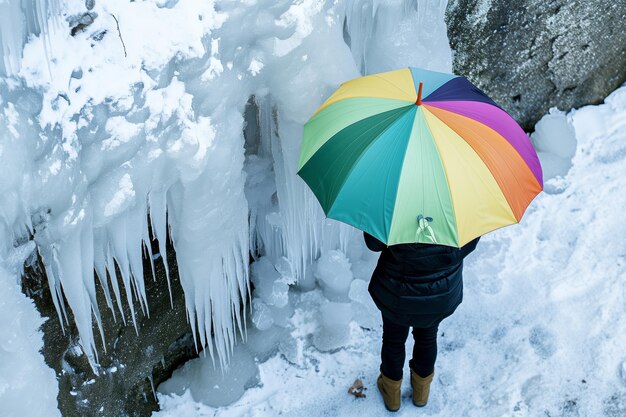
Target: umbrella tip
point(419, 95)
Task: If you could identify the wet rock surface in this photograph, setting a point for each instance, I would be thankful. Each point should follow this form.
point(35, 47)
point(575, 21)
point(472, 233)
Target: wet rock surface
point(132, 365)
point(532, 55)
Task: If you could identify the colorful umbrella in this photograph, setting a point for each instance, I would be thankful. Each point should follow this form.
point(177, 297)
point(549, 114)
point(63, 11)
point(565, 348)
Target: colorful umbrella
point(418, 156)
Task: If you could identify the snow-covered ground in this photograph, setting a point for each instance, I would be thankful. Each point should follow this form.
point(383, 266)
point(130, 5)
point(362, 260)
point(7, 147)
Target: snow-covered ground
point(145, 111)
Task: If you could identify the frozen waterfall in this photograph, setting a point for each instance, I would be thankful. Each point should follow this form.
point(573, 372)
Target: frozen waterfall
point(111, 138)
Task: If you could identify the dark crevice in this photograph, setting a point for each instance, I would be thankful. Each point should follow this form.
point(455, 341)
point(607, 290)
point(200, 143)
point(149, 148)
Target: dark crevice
point(123, 386)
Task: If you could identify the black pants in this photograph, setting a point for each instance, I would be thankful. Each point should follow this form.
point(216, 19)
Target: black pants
point(393, 354)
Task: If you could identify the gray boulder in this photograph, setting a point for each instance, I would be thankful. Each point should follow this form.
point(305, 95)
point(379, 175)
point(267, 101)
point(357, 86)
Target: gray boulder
point(531, 55)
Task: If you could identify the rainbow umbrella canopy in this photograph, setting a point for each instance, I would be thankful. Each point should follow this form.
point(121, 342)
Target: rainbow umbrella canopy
point(418, 156)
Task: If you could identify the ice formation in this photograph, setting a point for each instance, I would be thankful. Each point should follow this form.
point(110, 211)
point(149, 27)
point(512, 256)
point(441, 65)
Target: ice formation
point(555, 140)
point(334, 275)
point(18, 20)
point(207, 384)
point(385, 34)
point(105, 140)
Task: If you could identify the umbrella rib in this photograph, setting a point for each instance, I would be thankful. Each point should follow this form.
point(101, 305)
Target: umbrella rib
point(347, 149)
point(507, 141)
point(445, 171)
point(491, 147)
point(476, 91)
point(395, 199)
point(423, 178)
point(401, 103)
point(491, 192)
point(393, 84)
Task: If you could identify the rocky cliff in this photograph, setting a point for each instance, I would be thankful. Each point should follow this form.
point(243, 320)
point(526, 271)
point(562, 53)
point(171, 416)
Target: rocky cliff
point(531, 55)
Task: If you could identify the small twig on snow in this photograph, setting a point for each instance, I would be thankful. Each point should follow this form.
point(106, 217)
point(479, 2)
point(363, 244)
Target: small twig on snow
point(119, 32)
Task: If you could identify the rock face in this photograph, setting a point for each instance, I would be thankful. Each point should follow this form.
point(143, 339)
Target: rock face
point(132, 365)
point(531, 55)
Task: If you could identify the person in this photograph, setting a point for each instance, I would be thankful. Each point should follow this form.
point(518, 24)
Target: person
point(413, 285)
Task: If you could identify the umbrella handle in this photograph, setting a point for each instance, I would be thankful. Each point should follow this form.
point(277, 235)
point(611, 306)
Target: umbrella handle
point(423, 227)
point(419, 95)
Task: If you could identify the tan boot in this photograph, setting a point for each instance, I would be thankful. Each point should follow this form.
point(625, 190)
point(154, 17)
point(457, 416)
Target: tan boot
point(421, 388)
point(390, 390)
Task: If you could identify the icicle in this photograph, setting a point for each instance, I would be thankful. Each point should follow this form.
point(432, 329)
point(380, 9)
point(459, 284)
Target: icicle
point(100, 266)
point(12, 33)
point(372, 25)
point(135, 224)
point(301, 214)
point(117, 235)
point(67, 256)
point(52, 272)
point(147, 246)
point(41, 9)
point(87, 264)
point(152, 386)
point(110, 262)
point(158, 218)
point(55, 289)
point(209, 217)
point(359, 24)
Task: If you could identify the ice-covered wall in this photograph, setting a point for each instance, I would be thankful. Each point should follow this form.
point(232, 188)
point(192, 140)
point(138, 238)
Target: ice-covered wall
point(384, 35)
point(19, 19)
point(378, 36)
point(102, 139)
point(21, 364)
point(143, 112)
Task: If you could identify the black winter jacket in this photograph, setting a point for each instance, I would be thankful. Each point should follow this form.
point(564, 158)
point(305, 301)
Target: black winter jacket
point(416, 284)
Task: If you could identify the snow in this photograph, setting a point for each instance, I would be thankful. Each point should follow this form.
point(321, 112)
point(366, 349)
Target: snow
point(555, 141)
point(21, 364)
point(334, 326)
point(200, 128)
